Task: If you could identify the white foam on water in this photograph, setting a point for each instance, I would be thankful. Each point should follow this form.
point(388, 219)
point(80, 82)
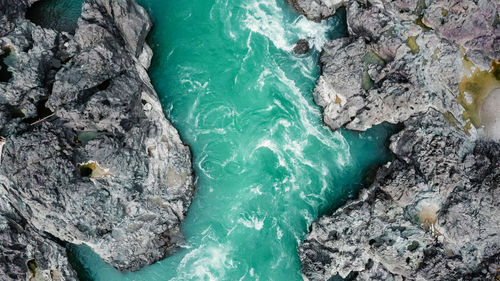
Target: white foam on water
point(256, 190)
point(249, 47)
point(209, 262)
point(271, 145)
point(304, 107)
point(252, 221)
point(315, 33)
point(230, 159)
point(262, 77)
point(279, 233)
point(266, 18)
point(200, 166)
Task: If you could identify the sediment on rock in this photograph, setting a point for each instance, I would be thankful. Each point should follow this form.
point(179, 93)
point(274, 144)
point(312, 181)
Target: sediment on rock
point(432, 213)
point(87, 155)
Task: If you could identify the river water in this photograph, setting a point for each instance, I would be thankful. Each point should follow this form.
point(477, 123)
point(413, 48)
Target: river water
point(267, 167)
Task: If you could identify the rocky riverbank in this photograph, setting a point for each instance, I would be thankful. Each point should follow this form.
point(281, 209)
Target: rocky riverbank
point(86, 153)
point(433, 212)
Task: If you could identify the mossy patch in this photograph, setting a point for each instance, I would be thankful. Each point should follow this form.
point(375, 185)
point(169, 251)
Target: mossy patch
point(473, 89)
point(419, 9)
point(370, 58)
point(17, 113)
point(85, 136)
point(32, 267)
point(450, 119)
point(390, 31)
point(496, 21)
point(413, 246)
point(366, 81)
point(412, 43)
point(92, 169)
point(373, 58)
point(434, 56)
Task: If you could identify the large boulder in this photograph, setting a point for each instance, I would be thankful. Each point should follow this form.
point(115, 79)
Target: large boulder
point(87, 155)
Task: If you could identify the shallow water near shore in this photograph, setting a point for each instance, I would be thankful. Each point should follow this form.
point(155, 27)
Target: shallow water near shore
point(229, 81)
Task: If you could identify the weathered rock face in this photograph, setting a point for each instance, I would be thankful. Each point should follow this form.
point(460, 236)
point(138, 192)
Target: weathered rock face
point(390, 69)
point(433, 212)
point(10, 10)
point(88, 156)
point(317, 10)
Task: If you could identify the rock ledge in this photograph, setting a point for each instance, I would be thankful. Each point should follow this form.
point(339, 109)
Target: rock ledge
point(87, 155)
point(432, 213)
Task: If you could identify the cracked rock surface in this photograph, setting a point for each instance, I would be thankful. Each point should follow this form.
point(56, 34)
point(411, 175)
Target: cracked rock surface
point(86, 153)
point(433, 212)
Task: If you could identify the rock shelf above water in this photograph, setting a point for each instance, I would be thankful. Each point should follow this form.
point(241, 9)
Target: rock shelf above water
point(433, 212)
point(86, 99)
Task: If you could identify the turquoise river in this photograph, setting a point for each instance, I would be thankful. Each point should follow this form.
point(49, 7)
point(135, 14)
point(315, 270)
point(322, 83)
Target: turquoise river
point(266, 165)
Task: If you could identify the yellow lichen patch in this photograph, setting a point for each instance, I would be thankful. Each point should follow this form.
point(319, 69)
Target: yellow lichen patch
point(92, 169)
point(444, 12)
point(428, 218)
point(150, 150)
point(449, 252)
point(412, 43)
point(434, 56)
point(473, 89)
point(56, 275)
point(337, 100)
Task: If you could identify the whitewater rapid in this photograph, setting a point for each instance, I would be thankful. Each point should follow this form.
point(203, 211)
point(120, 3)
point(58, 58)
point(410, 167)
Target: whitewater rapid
point(267, 167)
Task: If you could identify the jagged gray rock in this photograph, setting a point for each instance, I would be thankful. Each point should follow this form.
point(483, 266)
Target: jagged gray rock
point(397, 73)
point(22, 244)
point(88, 156)
point(432, 213)
point(317, 10)
point(301, 47)
point(10, 10)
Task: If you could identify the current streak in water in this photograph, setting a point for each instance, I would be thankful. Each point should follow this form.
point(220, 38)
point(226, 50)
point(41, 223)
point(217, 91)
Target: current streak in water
point(267, 167)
